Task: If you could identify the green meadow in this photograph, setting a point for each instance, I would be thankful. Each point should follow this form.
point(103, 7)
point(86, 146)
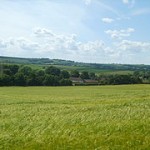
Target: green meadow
point(75, 118)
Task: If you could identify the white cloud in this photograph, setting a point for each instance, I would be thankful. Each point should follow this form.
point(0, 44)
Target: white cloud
point(54, 45)
point(129, 2)
point(27, 44)
point(125, 1)
point(130, 52)
point(107, 20)
point(43, 32)
point(68, 44)
point(133, 46)
point(3, 44)
point(119, 34)
point(46, 43)
point(87, 2)
point(92, 46)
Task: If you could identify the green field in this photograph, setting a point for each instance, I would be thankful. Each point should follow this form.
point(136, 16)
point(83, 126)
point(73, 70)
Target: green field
point(95, 70)
point(66, 118)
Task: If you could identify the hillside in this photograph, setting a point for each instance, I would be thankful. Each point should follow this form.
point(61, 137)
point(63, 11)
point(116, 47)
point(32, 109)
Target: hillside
point(70, 65)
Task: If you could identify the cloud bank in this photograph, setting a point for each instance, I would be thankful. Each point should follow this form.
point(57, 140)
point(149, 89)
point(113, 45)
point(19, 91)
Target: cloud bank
point(45, 43)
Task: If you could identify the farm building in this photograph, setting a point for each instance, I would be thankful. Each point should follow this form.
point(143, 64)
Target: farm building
point(90, 82)
point(76, 81)
point(79, 81)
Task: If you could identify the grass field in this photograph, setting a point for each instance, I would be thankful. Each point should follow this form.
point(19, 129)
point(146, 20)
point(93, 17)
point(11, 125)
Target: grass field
point(95, 70)
point(66, 118)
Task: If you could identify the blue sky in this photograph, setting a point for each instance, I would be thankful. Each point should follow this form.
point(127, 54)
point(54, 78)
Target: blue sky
point(98, 31)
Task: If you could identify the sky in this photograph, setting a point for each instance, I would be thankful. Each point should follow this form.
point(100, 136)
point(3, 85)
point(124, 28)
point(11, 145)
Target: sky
point(93, 31)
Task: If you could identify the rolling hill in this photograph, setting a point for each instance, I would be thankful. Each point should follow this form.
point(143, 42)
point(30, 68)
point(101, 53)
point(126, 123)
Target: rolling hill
point(72, 65)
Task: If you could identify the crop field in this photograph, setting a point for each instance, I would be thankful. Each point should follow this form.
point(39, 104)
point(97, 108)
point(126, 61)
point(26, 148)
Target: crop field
point(75, 118)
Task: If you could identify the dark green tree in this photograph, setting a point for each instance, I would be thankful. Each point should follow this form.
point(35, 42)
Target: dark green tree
point(25, 70)
point(32, 79)
point(75, 73)
point(51, 70)
point(50, 80)
point(40, 73)
point(92, 75)
point(6, 80)
point(65, 82)
point(19, 79)
point(65, 74)
point(14, 69)
point(84, 75)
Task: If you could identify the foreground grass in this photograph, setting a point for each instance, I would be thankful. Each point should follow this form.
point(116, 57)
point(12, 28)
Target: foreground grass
point(65, 118)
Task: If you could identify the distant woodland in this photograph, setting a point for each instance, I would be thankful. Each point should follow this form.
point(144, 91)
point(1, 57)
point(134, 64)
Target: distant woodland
point(22, 75)
point(55, 72)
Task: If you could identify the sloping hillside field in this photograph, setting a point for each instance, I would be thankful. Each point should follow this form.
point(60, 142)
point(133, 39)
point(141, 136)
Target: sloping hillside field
point(66, 118)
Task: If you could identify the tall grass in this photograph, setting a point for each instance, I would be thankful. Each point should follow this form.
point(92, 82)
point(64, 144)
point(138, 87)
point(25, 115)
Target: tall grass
point(66, 118)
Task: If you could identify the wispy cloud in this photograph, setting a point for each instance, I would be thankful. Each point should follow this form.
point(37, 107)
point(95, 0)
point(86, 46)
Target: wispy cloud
point(125, 1)
point(87, 2)
point(119, 34)
point(130, 3)
point(107, 20)
point(109, 8)
point(142, 11)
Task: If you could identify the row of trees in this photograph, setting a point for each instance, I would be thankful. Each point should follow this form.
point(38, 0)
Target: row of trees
point(119, 79)
point(16, 75)
point(26, 76)
point(83, 75)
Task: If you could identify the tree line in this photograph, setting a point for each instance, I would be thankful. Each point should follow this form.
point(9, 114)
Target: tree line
point(15, 75)
point(20, 75)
